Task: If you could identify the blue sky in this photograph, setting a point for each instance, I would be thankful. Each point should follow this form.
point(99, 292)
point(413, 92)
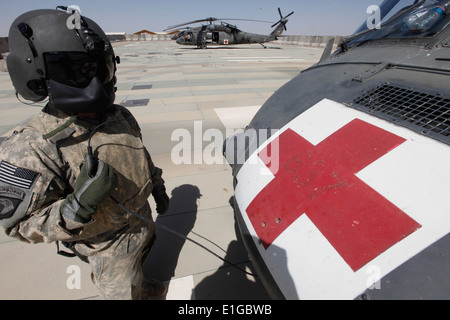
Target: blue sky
point(325, 17)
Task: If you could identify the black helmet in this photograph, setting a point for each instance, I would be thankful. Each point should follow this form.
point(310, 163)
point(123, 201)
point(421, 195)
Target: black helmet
point(73, 65)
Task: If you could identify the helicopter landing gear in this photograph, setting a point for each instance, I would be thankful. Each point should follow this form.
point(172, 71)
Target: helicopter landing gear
point(202, 45)
point(263, 46)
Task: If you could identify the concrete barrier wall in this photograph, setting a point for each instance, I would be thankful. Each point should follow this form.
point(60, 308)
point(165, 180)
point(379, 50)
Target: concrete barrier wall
point(148, 37)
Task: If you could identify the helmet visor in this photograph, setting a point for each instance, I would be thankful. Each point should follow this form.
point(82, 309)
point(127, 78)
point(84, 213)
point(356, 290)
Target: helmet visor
point(77, 69)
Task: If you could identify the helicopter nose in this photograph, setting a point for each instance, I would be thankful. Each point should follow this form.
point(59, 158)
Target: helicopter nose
point(180, 40)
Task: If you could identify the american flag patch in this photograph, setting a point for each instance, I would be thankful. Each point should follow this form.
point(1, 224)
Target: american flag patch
point(16, 176)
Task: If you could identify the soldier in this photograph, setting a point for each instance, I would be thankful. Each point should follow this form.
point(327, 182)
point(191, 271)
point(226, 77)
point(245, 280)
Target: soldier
point(65, 174)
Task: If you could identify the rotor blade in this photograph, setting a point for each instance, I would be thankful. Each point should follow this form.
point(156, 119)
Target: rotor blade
point(290, 14)
point(275, 23)
point(279, 11)
point(190, 22)
point(251, 20)
point(210, 19)
point(178, 25)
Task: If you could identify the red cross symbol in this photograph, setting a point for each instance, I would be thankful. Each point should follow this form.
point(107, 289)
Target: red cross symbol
point(320, 181)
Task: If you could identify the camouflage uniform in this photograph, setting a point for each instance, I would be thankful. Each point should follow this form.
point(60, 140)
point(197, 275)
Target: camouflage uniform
point(115, 243)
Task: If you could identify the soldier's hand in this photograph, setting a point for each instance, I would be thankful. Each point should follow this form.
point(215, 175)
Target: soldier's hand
point(161, 199)
point(89, 192)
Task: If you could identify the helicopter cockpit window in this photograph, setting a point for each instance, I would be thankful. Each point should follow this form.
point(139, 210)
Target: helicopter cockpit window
point(407, 19)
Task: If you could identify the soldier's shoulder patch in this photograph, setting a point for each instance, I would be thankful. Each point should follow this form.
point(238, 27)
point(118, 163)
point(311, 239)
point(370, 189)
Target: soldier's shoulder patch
point(15, 192)
point(16, 176)
point(10, 198)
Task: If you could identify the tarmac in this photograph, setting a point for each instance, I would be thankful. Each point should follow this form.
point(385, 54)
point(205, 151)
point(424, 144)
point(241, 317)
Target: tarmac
point(186, 102)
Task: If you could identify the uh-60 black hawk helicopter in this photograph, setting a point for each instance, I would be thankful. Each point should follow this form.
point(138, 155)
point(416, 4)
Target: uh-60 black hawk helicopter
point(225, 33)
point(342, 178)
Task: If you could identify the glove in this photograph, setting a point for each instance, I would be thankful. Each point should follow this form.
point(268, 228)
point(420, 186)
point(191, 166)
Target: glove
point(161, 199)
point(89, 192)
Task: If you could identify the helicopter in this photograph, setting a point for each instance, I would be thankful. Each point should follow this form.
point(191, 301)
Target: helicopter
point(341, 178)
point(225, 33)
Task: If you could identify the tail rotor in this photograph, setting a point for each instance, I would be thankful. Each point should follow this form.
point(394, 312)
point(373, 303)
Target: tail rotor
point(283, 20)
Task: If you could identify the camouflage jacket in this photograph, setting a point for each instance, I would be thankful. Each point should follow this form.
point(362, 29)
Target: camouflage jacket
point(38, 171)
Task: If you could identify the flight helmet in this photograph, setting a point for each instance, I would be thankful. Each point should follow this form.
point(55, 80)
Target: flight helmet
point(72, 62)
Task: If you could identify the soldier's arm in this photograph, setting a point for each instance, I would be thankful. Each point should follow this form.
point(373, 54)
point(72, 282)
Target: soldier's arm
point(46, 225)
point(156, 173)
point(32, 189)
point(159, 189)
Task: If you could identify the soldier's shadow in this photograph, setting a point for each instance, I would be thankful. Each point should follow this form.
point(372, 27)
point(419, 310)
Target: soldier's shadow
point(238, 282)
point(181, 216)
point(227, 282)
